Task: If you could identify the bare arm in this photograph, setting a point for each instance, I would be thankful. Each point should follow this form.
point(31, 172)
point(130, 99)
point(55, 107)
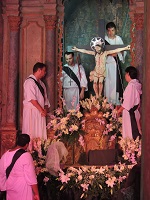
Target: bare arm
point(83, 51)
point(40, 109)
point(35, 192)
point(118, 50)
point(82, 93)
point(120, 111)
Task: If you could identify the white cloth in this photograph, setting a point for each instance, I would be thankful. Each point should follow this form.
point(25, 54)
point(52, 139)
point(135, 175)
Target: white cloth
point(33, 123)
point(22, 176)
point(70, 88)
point(111, 72)
point(56, 152)
point(131, 98)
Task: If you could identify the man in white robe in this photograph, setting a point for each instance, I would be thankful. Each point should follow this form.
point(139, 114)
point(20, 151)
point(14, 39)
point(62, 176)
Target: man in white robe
point(71, 93)
point(21, 183)
point(35, 104)
point(130, 105)
point(111, 88)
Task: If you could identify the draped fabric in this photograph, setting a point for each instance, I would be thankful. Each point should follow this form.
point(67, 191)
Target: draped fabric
point(113, 88)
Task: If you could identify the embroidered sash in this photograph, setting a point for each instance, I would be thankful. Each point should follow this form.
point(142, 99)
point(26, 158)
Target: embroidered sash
point(73, 76)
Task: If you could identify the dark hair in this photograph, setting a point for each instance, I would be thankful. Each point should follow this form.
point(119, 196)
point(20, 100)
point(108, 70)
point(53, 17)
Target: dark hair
point(68, 53)
point(22, 140)
point(110, 25)
point(37, 66)
point(102, 47)
point(133, 72)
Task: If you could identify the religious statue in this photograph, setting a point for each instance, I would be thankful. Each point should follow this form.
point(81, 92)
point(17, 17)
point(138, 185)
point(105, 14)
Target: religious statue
point(99, 73)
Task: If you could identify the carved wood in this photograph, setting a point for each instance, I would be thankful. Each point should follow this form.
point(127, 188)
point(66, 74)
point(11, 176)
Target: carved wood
point(94, 138)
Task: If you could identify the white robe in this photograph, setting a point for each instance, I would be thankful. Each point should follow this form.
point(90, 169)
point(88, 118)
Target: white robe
point(111, 71)
point(131, 98)
point(33, 123)
point(22, 176)
point(70, 88)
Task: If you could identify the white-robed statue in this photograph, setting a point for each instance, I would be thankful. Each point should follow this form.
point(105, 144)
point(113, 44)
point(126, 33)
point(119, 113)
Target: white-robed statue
point(56, 154)
point(99, 72)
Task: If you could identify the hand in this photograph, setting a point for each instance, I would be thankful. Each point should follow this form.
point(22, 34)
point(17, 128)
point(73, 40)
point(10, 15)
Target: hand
point(74, 48)
point(82, 95)
point(36, 197)
point(44, 113)
point(128, 47)
point(118, 113)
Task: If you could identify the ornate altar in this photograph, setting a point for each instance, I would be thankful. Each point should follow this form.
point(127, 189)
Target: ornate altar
point(94, 138)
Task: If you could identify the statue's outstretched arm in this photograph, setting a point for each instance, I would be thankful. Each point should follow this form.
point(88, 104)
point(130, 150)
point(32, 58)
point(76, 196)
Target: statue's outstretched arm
point(83, 50)
point(118, 50)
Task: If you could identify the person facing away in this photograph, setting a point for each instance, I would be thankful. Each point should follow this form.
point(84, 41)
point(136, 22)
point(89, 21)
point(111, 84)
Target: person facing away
point(113, 88)
point(35, 103)
point(21, 182)
point(99, 72)
point(131, 103)
point(74, 82)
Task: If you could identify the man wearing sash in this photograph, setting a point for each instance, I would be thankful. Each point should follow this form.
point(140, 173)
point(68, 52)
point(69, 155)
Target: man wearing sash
point(113, 89)
point(130, 106)
point(35, 103)
point(17, 172)
point(74, 82)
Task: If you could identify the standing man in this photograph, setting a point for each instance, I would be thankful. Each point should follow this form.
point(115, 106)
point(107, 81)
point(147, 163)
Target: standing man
point(113, 89)
point(130, 107)
point(74, 82)
point(35, 103)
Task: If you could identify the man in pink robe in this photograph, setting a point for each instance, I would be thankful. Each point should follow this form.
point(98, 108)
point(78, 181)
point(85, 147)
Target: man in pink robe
point(21, 183)
point(131, 102)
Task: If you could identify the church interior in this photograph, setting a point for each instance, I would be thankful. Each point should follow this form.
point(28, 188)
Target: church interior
point(41, 31)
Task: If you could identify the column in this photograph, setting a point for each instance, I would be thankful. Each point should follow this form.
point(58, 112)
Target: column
point(50, 25)
point(13, 71)
point(145, 194)
point(139, 40)
point(9, 129)
point(60, 31)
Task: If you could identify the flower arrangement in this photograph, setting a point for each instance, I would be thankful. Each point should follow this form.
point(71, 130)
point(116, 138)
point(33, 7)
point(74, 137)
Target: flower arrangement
point(67, 125)
point(38, 152)
point(131, 149)
point(101, 182)
point(85, 181)
point(113, 125)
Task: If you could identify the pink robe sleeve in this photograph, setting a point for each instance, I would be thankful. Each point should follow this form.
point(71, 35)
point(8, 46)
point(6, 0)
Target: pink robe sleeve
point(2, 174)
point(129, 96)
